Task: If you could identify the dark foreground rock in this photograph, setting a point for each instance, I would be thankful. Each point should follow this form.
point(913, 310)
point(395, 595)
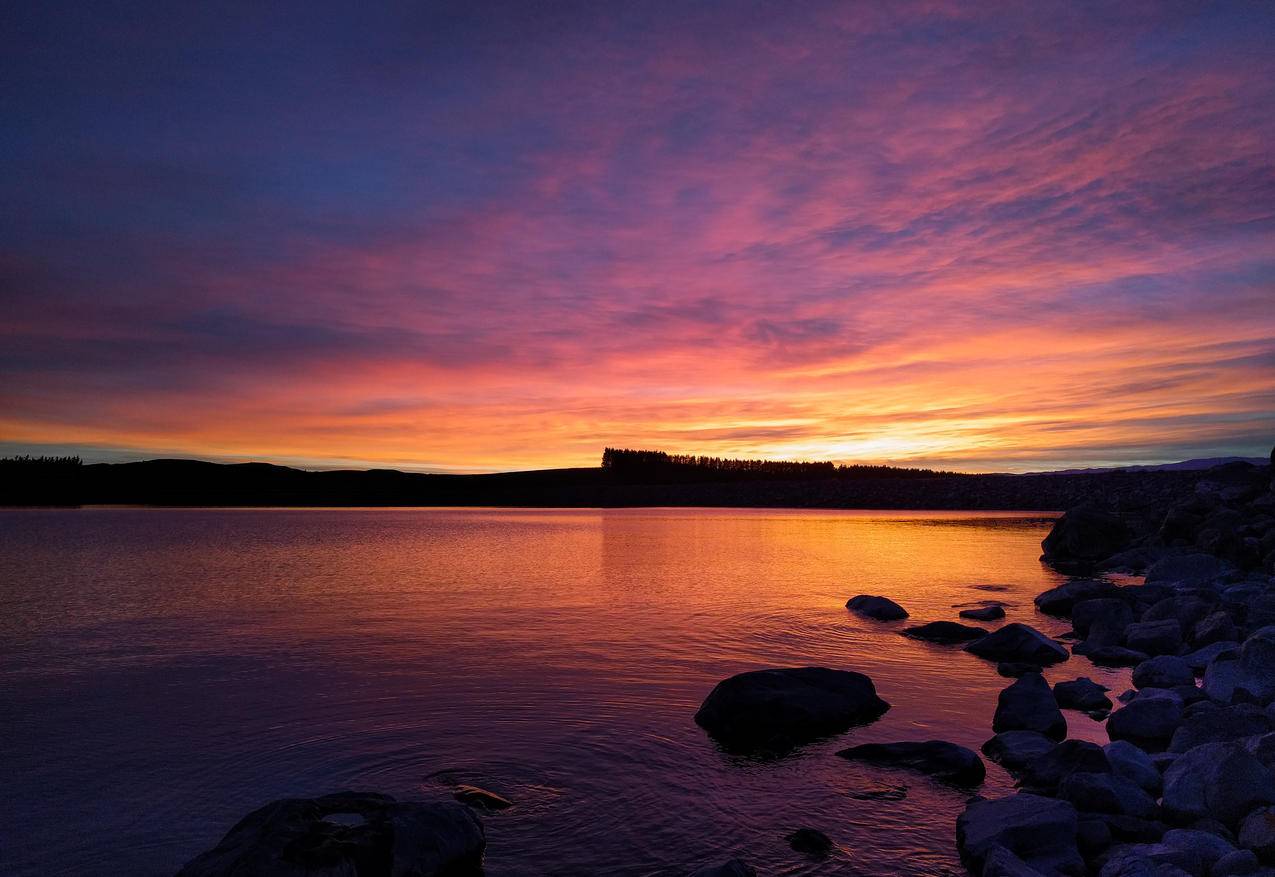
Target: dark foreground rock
point(350, 833)
point(945, 632)
point(1040, 831)
point(781, 708)
point(877, 608)
point(1014, 750)
point(1028, 705)
point(1018, 642)
point(1085, 534)
point(1148, 721)
point(938, 758)
point(810, 841)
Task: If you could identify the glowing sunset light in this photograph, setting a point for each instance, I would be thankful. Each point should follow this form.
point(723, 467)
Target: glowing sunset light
point(504, 236)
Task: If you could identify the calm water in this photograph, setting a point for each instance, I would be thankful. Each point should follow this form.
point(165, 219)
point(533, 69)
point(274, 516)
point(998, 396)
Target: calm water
point(163, 672)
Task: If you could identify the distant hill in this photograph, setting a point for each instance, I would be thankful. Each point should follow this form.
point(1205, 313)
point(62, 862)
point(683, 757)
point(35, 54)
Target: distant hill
point(1196, 465)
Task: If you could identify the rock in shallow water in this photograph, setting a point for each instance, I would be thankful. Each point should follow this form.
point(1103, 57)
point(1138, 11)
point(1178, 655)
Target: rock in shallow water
point(945, 632)
point(1014, 750)
point(1028, 705)
point(1039, 831)
point(985, 613)
point(938, 758)
point(810, 841)
point(1018, 642)
point(877, 608)
point(781, 708)
point(1082, 694)
point(348, 833)
point(1147, 721)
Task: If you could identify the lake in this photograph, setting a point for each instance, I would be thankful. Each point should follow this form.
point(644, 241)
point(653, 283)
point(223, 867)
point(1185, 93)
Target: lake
point(166, 671)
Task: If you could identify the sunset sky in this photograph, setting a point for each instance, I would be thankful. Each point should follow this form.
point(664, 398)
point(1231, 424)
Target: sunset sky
point(475, 236)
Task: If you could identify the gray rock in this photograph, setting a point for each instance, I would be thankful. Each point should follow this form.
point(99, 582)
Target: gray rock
point(781, 708)
point(1132, 763)
point(1185, 609)
point(1018, 642)
point(945, 632)
point(1046, 773)
point(876, 608)
point(1143, 860)
point(985, 613)
point(1040, 831)
point(1001, 862)
point(1199, 659)
point(1257, 833)
point(1165, 671)
point(1154, 637)
point(1187, 570)
point(1111, 611)
point(1148, 722)
point(1222, 677)
point(1257, 664)
point(1114, 656)
point(290, 836)
point(1082, 694)
point(1201, 849)
point(1014, 669)
point(1219, 780)
point(1061, 600)
point(1235, 864)
point(731, 868)
point(1106, 793)
point(1028, 705)
point(1214, 628)
point(1208, 722)
point(1085, 534)
point(938, 758)
point(1014, 750)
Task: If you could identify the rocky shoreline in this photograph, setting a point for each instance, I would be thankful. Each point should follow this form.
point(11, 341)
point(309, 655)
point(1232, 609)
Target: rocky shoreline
point(1184, 788)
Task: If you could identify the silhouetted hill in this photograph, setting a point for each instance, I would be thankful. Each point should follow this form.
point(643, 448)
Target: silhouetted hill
point(197, 483)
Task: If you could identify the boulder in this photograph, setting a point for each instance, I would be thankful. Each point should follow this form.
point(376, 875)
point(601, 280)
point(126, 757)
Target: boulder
point(1215, 627)
point(1154, 637)
point(781, 708)
point(876, 608)
point(1186, 609)
point(1235, 864)
point(1111, 612)
point(1219, 780)
point(1085, 534)
point(1201, 657)
point(1113, 656)
point(1028, 705)
point(945, 632)
point(1208, 722)
point(1061, 600)
point(1018, 642)
point(1200, 849)
point(1187, 570)
point(1257, 664)
point(1045, 773)
point(938, 758)
point(731, 868)
point(1222, 677)
point(1143, 860)
point(1039, 831)
point(1106, 793)
point(1000, 862)
point(984, 613)
point(347, 833)
point(1165, 671)
point(1014, 669)
point(1082, 694)
point(810, 841)
point(1147, 721)
point(1257, 834)
point(1133, 764)
point(1014, 750)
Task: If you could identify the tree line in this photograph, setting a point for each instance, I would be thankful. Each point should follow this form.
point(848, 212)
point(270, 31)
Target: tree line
point(632, 464)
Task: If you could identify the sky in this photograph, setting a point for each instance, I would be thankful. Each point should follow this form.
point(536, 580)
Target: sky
point(482, 236)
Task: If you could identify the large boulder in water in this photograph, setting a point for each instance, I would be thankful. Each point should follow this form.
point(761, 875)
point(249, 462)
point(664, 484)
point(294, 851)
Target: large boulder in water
point(1060, 601)
point(780, 708)
point(1082, 694)
point(1085, 534)
point(876, 608)
point(938, 758)
point(1148, 721)
point(1018, 642)
point(1039, 831)
point(1187, 570)
point(1029, 705)
point(945, 632)
point(1015, 750)
point(348, 833)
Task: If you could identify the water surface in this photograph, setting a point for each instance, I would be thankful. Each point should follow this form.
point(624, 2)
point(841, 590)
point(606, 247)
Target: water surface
point(165, 671)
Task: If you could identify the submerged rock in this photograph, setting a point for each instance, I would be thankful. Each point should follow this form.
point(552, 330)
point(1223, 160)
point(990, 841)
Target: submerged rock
point(481, 798)
point(732, 868)
point(877, 608)
point(1082, 694)
point(781, 708)
point(1039, 831)
point(348, 833)
point(1018, 642)
point(985, 613)
point(1028, 705)
point(810, 841)
point(938, 758)
point(945, 632)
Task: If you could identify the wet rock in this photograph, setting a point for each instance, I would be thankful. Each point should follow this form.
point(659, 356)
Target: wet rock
point(1082, 694)
point(1112, 612)
point(1143, 860)
point(1000, 862)
point(1085, 534)
point(1061, 600)
point(1201, 657)
point(1114, 656)
point(938, 758)
point(1133, 764)
point(781, 708)
point(1235, 864)
point(1047, 772)
point(1147, 722)
point(1028, 705)
point(1154, 637)
point(1106, 793)
point(1039, 831)
point(732, 868)
point(1219, 780)
point(1215, 627)
point(1014, 750)
point(1018, 642)
point(347, 833)
point(810, 841)
point(945, 632)
point(876, 608)
point(1257, 833)
point(1208, 722)
point(985, 613)
point(1187, 570)
point(481, 798)
point(1166, 671)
